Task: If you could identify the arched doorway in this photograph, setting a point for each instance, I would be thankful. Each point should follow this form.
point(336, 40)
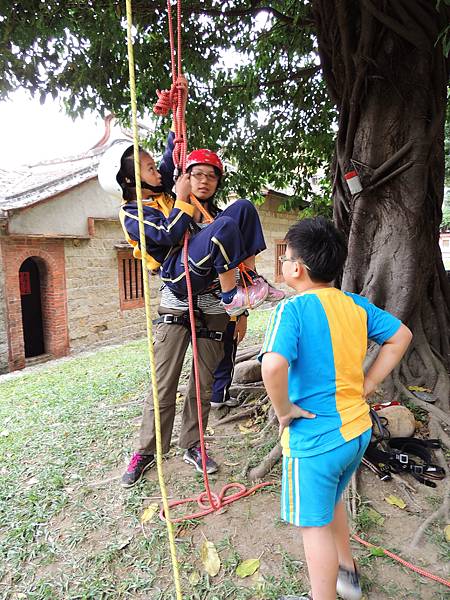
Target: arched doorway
point(30, 299)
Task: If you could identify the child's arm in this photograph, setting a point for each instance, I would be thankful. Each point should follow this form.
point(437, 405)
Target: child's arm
point(159, 230)
point(389, 356)
point(275, 376)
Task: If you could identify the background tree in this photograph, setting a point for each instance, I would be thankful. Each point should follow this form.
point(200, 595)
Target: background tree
point(272, 106)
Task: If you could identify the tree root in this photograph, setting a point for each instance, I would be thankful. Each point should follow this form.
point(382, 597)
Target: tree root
point(237, 416)
point(444, 509)
point(434, 410)
point(247, 353)
point(268, 462)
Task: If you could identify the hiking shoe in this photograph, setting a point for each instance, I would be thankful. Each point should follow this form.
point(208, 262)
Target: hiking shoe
point(193, 456)
point(139, 463)
point(231, 402)
point(274, 294)
point(348, 586)
point(247, 297)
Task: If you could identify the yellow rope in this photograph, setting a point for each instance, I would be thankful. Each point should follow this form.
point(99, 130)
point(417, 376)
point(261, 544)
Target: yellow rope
point(162, 485)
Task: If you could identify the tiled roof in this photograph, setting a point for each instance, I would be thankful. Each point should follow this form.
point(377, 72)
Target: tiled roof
point(28, 185)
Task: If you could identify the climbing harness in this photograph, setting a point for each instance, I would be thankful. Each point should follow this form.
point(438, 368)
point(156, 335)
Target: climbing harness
point(184, 321)
point(385, 455)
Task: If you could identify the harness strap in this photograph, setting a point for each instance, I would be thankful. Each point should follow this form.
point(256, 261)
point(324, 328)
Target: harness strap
point(398, 458)
point(202, 332)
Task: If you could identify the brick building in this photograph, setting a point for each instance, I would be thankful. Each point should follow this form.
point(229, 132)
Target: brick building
point(68, 280)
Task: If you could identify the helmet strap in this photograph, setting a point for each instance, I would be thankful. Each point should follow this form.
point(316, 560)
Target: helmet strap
point(156, 189)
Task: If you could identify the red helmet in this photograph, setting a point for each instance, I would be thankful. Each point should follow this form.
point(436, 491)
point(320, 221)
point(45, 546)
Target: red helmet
point(204, 157)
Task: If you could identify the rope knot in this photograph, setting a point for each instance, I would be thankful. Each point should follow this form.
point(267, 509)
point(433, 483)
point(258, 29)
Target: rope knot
point(167, 99)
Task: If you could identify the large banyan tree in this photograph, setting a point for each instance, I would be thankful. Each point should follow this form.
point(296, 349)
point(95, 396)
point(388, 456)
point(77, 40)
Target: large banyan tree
point(277, 85)
point(388, 78)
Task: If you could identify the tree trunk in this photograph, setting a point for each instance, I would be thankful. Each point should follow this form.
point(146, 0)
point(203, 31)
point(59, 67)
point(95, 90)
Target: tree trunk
point(388, 77)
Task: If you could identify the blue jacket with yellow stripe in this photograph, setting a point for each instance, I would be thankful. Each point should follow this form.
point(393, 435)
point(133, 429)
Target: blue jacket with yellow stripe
point(165, 219)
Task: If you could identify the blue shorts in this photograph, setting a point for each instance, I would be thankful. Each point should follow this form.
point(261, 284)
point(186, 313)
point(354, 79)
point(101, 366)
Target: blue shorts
point(313, 485)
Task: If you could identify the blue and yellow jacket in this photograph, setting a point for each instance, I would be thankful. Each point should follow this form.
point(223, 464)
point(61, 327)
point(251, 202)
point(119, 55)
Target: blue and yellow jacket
point(165, 219)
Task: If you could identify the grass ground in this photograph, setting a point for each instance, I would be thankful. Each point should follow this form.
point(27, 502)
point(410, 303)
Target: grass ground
point(68, 531)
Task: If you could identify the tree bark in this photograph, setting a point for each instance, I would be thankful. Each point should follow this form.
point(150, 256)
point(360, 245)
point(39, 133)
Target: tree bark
point(388, 77)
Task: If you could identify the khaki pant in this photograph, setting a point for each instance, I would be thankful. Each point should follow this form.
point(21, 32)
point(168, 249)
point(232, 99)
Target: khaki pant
point(170, 345)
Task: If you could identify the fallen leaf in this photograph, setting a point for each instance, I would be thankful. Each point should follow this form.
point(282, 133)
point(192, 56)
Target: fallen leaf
point(395, 501)
point(210, 558)
point(375, 516)
point(122, 545)
point(194, 578)
point(247, 567)
point(245, 430)
point(417, 388)
point(149, 512)
point(209, 431)
point(447, 533)
point(377, 551)
point(231, 464)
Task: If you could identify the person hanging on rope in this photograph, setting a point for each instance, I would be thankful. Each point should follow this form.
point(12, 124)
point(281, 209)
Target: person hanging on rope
point(172, 334)
point(234, 238)
point(312, 367)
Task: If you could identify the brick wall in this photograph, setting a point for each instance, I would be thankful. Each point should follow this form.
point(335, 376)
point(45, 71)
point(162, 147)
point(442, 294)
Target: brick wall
point(93, 299)
point(275, 225)
point(3, 325)
point(80, 288)
point(49, 256)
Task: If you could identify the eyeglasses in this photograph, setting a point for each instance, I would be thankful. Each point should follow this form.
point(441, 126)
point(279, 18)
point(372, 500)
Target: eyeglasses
point(283, 258)
point(199, 175)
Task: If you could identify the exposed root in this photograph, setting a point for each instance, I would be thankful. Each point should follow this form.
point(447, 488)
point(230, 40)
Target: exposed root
point(440, 512)
point(443, 510)
point(268, 462)
point(432, 409)
point(237, 416)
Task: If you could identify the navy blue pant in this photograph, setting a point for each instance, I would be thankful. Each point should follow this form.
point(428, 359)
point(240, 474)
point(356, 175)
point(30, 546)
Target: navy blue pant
point(223, 375)
point(233, 236)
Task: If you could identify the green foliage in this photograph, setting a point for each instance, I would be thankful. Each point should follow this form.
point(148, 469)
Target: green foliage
point(256, 90)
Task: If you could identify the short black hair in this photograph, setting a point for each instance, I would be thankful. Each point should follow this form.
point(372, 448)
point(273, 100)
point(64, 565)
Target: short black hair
point(320, 246)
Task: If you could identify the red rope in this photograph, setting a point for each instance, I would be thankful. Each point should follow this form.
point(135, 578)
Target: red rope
point(404, 562)
point(175, 99)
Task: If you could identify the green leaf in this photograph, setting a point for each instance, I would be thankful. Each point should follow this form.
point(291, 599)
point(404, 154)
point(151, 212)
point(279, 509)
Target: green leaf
point(247, 567)
point(377, 551)
point(395, 501)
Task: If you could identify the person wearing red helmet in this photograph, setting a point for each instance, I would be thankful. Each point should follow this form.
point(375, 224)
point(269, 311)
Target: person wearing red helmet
point(215, 250)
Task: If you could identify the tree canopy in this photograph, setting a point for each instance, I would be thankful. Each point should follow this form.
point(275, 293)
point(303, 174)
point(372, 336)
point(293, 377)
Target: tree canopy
point(256, 90)
point(286, 88)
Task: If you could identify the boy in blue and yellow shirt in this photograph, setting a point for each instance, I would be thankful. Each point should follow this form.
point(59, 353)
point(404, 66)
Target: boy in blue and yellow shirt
point(312, 366)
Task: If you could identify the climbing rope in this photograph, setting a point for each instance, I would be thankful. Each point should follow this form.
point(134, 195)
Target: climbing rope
point(403, 562)
point(173, 99)
point(162, 485)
